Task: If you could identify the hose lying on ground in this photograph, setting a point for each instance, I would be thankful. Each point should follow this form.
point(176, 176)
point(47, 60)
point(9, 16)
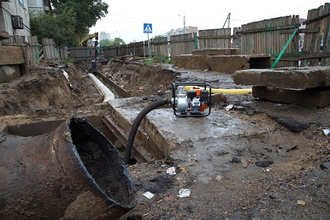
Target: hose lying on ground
point(136, 124)
point(226, 91)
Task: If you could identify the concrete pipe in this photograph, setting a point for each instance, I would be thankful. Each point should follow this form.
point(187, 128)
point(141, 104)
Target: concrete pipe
point(73, 172)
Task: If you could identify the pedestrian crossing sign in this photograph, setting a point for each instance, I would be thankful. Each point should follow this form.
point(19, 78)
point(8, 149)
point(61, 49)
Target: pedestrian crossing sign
point(147, 28)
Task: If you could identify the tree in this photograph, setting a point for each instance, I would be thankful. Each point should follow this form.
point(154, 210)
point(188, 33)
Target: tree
point(69, 22)
point(118, 41)
point(110, 43)
point(87, 12)
point(47, 26)
point(105, 43)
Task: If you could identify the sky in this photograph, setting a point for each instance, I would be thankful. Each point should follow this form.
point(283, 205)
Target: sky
point(125, 19)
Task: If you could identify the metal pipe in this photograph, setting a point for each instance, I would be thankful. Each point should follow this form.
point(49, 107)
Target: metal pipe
point(107, 94)
point(73, 172)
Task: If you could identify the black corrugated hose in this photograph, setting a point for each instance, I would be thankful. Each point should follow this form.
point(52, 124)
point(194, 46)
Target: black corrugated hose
point(136, 124)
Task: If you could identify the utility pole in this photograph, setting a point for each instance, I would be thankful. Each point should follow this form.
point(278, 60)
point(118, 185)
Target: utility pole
point(227, 19)
point(184, 23)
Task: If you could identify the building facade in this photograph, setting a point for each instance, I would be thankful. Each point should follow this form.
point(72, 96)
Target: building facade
point(104, 35)
point(39, 5)
point(14, 17)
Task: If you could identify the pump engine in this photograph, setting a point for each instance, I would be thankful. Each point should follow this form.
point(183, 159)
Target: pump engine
point(191, 99)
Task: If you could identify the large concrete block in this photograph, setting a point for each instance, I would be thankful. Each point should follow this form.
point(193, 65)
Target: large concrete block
point(189, 61)
point(217, 51)
point(227, 63)
point(319, 97)
point(11, 55)
point(285, 78)
point(4, 35)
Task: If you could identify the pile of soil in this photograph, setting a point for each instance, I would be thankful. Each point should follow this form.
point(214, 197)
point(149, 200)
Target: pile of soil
point(282, 173)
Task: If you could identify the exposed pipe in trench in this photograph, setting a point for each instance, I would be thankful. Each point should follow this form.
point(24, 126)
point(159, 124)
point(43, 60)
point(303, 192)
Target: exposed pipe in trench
point(107, 94)
point(74, 172)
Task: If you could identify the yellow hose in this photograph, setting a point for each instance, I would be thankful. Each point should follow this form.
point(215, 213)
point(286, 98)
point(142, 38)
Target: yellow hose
point(224, 91)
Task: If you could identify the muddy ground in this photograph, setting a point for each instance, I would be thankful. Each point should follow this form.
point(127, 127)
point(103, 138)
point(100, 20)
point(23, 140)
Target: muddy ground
point(280, 171)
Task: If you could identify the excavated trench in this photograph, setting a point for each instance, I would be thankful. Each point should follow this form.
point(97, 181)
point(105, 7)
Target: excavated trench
point(202, 149)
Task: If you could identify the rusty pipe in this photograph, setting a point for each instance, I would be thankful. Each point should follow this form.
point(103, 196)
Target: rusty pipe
point(73, 172)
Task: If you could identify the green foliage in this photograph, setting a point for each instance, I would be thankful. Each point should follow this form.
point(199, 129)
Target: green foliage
point(111, 43)
point(159, 36)
point(165, 60)
point(86, 12)
point(47, 26)
point(105, 43)
point(70, 21)
point(117, 41)
point(149, 63)
point(69, 60)
point(157, 61)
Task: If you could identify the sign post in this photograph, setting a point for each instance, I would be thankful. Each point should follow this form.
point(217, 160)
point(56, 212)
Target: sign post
point(147, 28)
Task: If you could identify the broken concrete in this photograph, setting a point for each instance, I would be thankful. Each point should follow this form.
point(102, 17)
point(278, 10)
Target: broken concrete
point(4, 35)
point(221, 63)
point(11, 63)
point(10, 55)
point(308, 86)
point(319, 97)
point(217, 51)
point(285, 78)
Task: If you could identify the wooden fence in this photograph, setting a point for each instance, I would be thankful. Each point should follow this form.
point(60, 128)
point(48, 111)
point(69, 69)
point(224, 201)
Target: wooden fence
point(161, 47)
point(82, 53)
point(269, 37)
point(35, 52)
point(137, 49)
point(304, 46)
point(29, 45)
point(309, 46)
point(214, 38)
point(316, 50)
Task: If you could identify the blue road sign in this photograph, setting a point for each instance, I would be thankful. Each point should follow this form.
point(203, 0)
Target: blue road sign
point(147, 28)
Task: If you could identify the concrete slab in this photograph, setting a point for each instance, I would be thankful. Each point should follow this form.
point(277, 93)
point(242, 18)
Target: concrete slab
point(159, 124)
point(189, 61)
point(227, 63)
point(217, 51)
point(10, 55)
point(319, 97)
point(221, 63)
point(285, 78)
point(4, 35)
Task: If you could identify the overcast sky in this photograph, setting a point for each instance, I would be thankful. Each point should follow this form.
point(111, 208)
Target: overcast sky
point(126, 18)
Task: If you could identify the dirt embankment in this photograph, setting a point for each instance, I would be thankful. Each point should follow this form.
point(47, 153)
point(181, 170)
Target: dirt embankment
point(230, 184)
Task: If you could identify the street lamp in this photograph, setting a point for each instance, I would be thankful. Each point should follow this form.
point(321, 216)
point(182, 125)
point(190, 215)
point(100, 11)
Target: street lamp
point(184, 23)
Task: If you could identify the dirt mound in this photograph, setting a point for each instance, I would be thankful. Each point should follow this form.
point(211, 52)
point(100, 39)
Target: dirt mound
point(139, 79)
point(46, 89)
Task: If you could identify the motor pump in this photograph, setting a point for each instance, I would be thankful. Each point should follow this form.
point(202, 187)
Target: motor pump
point(191, 99)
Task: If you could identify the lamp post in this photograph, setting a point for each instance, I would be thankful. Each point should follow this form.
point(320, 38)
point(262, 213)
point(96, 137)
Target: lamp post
point(184, 23)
